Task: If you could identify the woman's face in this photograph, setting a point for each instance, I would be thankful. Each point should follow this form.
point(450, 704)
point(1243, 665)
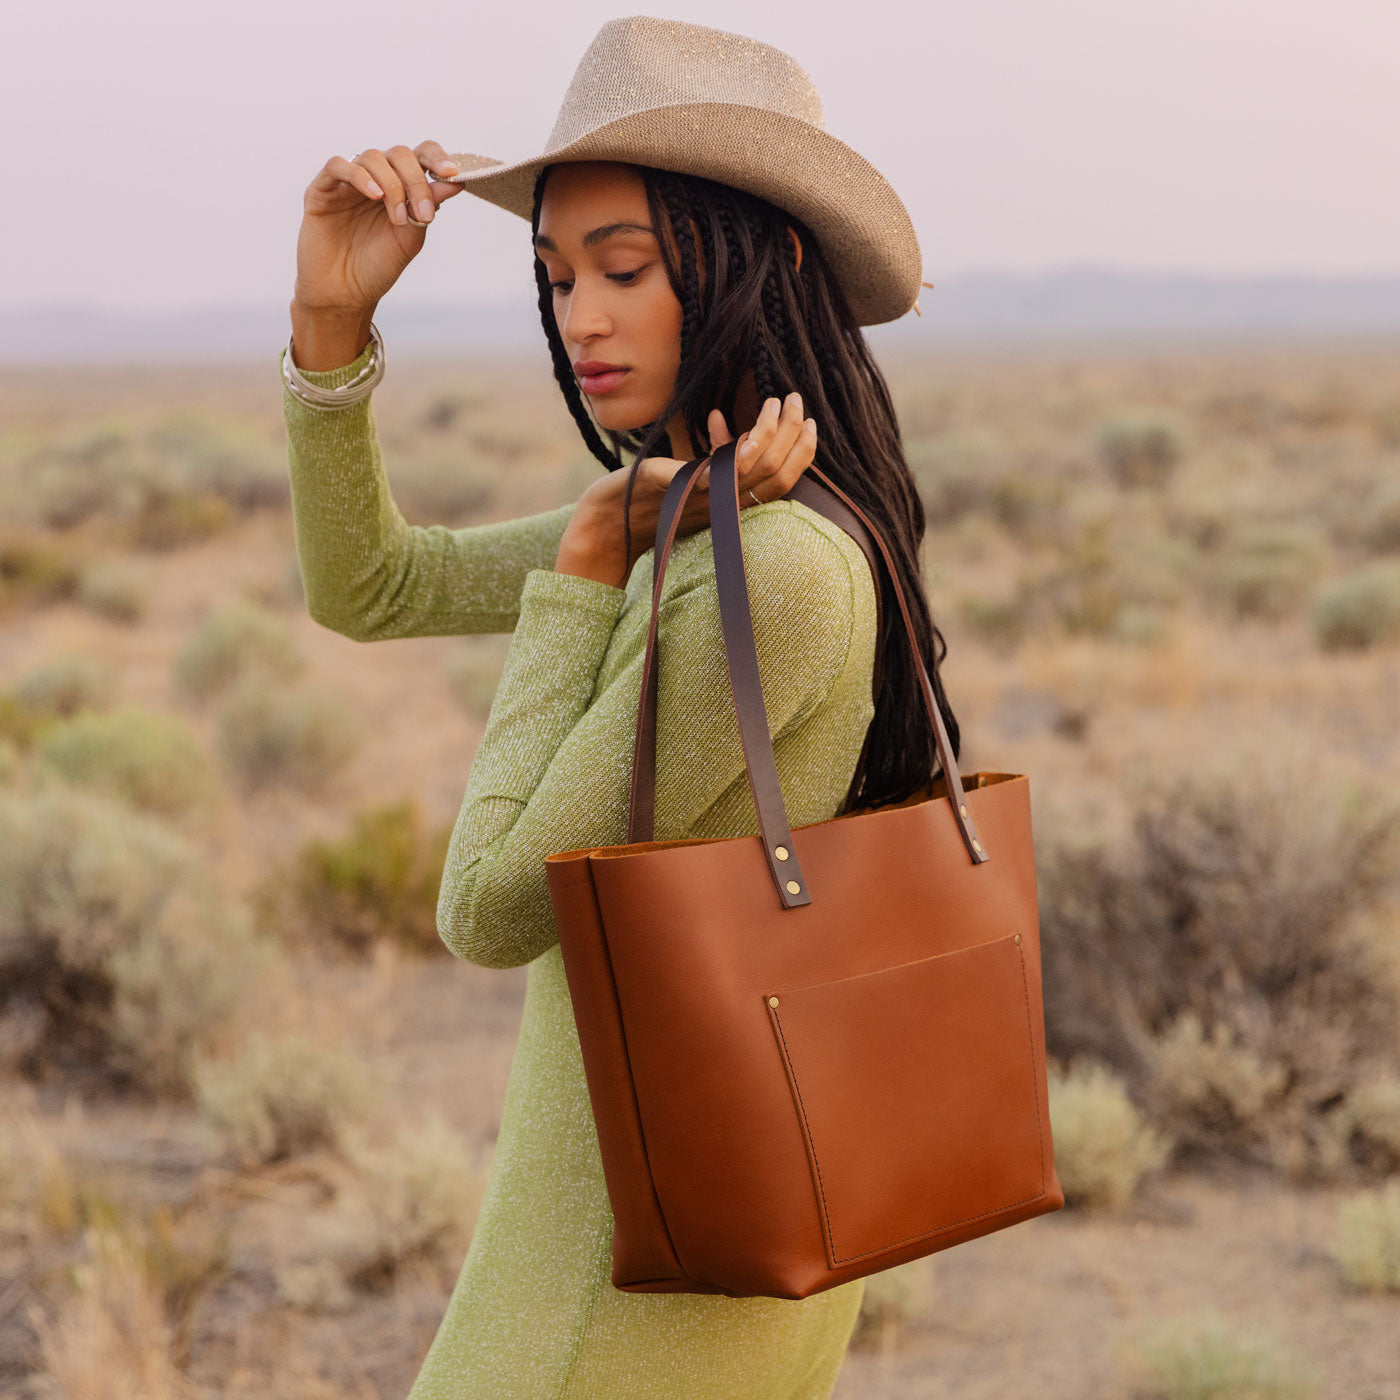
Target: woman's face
point(613, 303)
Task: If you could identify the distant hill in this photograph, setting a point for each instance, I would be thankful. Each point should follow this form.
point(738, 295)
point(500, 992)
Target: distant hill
point(1075, 304)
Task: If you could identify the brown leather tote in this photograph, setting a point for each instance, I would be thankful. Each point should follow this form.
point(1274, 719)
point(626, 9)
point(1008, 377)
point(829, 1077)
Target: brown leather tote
point(817, 1052)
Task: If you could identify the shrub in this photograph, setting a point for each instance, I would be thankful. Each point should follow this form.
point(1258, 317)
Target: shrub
point(170, 518)
point(11, 761)
point(952, 470)
point(238, 639)
point(1381, 527)
point(112, 944)
point(378, 882)
point(1141, 447)
point(272, 736)
point(66, 685)
point(1103, 1145)
point(113, 590)
point(1104, 586)
point(415, 1198)
point(1366, 1247)
point(1372, 1121)
point(152, 761)
point(281, 1095)
point(1140, 624)
point(999, 620)
point(111, 1335)
point(1217, 956)
point(77, 475)
point(35, 570)
point(1360, 610)
point(1207, 1358)
point(1268, 570)
point(175, 985)
point(223, 458)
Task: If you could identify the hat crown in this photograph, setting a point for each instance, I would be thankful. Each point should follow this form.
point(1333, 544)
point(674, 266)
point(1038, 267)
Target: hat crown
point(639, 63)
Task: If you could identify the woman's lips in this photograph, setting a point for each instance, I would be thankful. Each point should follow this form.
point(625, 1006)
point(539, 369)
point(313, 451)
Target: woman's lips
point(603, 383)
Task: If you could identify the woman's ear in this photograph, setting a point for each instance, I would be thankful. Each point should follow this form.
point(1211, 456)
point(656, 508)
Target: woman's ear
point(796, 245)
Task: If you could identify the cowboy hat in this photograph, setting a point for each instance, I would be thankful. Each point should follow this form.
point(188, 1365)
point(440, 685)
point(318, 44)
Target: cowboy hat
point(702, 101)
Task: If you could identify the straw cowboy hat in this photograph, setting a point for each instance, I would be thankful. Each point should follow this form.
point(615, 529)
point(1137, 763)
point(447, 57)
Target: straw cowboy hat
point(703, 101)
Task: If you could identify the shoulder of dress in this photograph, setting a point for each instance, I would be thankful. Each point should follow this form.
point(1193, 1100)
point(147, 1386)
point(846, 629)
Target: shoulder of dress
point(787, 545)
point(820, 550)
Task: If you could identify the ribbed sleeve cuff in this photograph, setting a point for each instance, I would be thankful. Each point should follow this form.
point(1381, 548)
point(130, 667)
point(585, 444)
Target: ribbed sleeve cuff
point(551, 592)
point(332, 378)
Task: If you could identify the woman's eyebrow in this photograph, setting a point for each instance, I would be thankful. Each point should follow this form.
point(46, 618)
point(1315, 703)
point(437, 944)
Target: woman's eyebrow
point(596, 235)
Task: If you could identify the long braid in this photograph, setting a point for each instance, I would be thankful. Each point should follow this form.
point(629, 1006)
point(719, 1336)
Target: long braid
point(563, 369)
point(678, 207)
point(763, 379)
point(754, 310)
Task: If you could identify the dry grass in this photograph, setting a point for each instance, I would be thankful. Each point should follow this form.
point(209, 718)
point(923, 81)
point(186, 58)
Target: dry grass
point(1140, 561)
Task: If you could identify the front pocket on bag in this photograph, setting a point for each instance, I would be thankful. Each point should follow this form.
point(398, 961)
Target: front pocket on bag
point(918, 1092)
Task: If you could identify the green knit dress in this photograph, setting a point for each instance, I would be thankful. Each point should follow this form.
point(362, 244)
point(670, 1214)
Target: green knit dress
point(534, 1314)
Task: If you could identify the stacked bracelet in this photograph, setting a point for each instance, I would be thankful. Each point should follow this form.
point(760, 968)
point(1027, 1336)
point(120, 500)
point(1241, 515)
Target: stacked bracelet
point(352, 391)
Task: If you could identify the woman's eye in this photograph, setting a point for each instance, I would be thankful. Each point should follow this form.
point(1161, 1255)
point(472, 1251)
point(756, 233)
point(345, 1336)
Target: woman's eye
point(623, 277)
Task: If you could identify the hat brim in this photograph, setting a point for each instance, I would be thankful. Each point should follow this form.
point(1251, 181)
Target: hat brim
point(864, 230)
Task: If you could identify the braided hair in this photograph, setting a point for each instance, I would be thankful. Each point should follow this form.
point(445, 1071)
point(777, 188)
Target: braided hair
point(760, 307)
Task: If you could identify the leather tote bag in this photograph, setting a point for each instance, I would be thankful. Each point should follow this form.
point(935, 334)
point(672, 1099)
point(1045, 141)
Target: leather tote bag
point(812, 1053)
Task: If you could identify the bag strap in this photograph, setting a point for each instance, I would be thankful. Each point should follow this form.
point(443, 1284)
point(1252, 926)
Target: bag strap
point(742, 657)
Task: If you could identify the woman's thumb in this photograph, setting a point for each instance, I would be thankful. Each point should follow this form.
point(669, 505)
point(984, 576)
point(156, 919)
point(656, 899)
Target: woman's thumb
point(719, 429)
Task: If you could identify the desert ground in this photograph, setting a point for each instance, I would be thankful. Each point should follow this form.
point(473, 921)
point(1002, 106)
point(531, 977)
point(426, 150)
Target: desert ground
point(248, 1100)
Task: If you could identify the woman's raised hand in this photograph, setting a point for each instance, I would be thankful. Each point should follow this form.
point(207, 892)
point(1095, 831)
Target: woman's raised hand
point(358, 231)
point(769, 458)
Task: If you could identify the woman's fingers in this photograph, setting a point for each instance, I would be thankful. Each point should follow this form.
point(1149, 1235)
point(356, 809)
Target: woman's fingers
point(779, 447)
point(753, 442)
point(382, 170)
point(338, 170)
point(419, 203)
point(432, 157)
point(783, 478)
point(774, 432)
point(785, 431)
point(398, 178)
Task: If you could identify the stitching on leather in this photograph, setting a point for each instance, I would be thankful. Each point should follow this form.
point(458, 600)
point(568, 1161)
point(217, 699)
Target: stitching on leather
point(802, 1109)
point(938, 1229)
point(636, 1103)
point(1030, 1031)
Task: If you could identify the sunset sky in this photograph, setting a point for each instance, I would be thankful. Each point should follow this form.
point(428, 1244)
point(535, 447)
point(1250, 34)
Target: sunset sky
point(157, 151)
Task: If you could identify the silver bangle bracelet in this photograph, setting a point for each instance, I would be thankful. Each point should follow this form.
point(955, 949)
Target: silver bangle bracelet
point(351, 392)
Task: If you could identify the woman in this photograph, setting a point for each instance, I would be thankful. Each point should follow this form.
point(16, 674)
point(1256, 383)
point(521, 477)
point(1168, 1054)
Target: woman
point(705, 256)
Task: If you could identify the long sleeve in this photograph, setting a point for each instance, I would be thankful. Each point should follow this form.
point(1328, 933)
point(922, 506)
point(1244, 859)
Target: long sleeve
point(553, 768)
point(367, 572)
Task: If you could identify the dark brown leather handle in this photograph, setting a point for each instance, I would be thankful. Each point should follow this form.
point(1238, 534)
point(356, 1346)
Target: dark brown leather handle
point(824, 496)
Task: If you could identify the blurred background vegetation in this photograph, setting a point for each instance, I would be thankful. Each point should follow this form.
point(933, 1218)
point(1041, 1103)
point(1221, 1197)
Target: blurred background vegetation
point(247, 1092)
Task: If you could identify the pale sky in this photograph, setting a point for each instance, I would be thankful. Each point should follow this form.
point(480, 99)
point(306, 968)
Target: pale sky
point(157, 151)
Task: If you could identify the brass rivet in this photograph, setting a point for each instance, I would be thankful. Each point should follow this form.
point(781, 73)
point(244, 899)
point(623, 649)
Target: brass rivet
point(962, 807)
point(793, 887)
point(1018, 938)
point(772, 1001)
point(976, 844)
point(781, 852)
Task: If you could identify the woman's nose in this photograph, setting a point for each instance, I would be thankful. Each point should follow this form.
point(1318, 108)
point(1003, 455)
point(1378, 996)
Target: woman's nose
point(586, 316)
